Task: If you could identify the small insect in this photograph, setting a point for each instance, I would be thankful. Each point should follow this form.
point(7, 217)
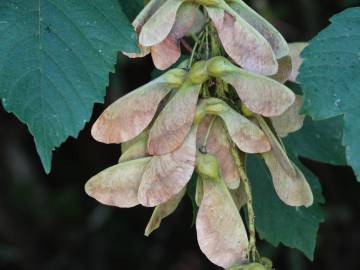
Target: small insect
point(48, 28)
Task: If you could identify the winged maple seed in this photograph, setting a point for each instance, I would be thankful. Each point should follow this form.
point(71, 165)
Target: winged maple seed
point(249, 39)
point(180, 124)
point(218, 145)
point(140, 105)
point(220, 230)
point(163, 24)
point(159, 155)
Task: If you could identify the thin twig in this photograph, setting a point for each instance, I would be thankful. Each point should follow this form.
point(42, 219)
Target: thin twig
point(250, 210)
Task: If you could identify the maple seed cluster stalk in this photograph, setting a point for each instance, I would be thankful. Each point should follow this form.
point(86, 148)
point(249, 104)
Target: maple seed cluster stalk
point(201, 119)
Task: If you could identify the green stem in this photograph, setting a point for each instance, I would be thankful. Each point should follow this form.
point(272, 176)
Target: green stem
point(198, 43)
point(193, 54)
point(207, 42)
point(209, 130)
point(249, 205)
point(204, 145)
point(215, 43)
point(221, 87)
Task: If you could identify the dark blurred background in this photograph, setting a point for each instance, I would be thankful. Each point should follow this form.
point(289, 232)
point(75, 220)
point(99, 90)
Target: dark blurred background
point(47, 221)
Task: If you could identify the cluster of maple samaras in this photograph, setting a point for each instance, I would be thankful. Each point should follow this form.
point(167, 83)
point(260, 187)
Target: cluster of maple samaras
point(163, 124)
point(247, 38)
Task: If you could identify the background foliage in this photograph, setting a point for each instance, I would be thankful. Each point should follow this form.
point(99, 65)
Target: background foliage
point(331, 64)
point(47, 222)
point(54, 61)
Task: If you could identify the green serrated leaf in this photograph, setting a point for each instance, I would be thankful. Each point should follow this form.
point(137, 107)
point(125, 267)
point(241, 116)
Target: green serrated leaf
point(132, 8)
point(320, 141)
point(279, 223)
point(55, 57)
point(330, 78)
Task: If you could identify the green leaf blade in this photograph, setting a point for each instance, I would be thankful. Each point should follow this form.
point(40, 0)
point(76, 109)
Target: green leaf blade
point(279, 223)
point(330, 78)
point(132, 8)
point(320, 141)
point(55, 57)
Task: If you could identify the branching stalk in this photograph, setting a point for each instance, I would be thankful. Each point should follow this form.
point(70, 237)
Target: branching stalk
point(213, 118)
point(249, 205)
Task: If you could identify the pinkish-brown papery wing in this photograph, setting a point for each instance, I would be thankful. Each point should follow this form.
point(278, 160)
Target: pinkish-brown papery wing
point(119, 184)
point(175, 120)
point(260, 94)
point(166, 175)
point(284, 71)
point(138, 23)
point(131, 114)
point(185, 19)
point(266, 29)
point(292, 190)
point(291, 120)
point(219, 145)
point(158, 27)
point(243, 43)
point(220, 230)
point(146, 13)
point(245, 134)
point(135, 148)
point(295, 51)
point(167, 52)
point(277, 148)
point(239, 196)
point(199, 23)
point(162, 211)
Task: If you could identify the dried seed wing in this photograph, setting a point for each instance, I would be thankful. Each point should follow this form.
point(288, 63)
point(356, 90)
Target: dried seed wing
point(260, 94)
point(138, 23)
point(292, 190)
point(119, 184)
point(277, 148)
point(167, 52)
point(131, 114)
point(220, 230)
point(219, 145)
point(198, 24)
point(166, 175)
point(136, 148)
point(162, 211)
point(291, 120)
point(245, 134)
point(175, 120)
point(266, 29)
point(158, 27)
point(284, 71)
point(243, 43)
point(295, 51)
point(146, 13)
point(239, 196)
point(185, 19)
